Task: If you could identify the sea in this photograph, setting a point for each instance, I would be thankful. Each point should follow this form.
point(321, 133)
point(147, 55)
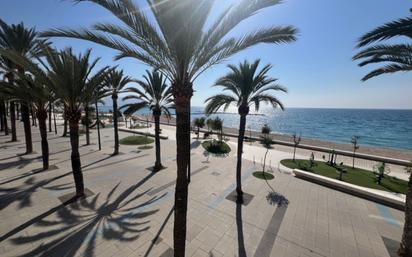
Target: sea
point(375, 127)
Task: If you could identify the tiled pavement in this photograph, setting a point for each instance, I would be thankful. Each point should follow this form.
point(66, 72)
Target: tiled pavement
point(131, 211)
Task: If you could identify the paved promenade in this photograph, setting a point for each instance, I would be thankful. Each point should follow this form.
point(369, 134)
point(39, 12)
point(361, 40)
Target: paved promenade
point(130, 211)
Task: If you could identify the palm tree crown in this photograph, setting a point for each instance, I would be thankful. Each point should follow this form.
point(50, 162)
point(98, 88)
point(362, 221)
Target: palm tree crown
point(181, 47)
point(115, 81)
point(247, 87)
point(395, 57)
point(155, 94)
point(20, 39)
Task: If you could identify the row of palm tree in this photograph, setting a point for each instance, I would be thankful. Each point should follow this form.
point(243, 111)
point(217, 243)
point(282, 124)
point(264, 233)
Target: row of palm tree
point(181, 46)
point(72, 80)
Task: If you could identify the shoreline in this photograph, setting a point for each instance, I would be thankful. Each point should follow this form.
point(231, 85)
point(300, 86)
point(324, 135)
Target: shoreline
point(395, 153)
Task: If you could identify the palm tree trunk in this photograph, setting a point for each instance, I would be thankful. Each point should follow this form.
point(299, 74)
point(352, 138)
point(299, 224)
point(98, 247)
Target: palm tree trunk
point(18, 111)
point(65, 123)
point(405, 249)
point(98, 126)
point(13, 121)
point(33, 117)
point(86, 111)
point(182, 95)
point(42, 117)
point(6, 127)
point(74, 117)
point(54, 121)
point(50, 117)
point(158, 163)
point(242, 126)
point(116, 130)
point(25, 113)
point(2, 112)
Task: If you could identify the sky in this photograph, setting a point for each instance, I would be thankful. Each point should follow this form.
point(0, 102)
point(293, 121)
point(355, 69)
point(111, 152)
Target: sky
point(317, 69)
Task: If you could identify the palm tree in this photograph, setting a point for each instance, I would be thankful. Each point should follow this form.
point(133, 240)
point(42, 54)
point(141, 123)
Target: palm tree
point(182, 47)
point(217, 124)
point(155, 95)
point(39, 96)
point(114, 84)
point(199, 123)
point(93, 95)
point(395, 58)
point(25, 42)
point(247, 87)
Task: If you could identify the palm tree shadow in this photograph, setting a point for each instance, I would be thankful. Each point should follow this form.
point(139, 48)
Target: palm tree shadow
point(80, 224)
point(240, 237)
point(274, 198)
point(157, 236)
point(23, 194)
point(194, 144)
point(20, 163)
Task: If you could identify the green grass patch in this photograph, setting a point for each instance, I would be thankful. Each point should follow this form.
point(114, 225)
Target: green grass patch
point(263, 175)
point(145, 147)
point(136, 140)
point(356, 176)
point(216, 147)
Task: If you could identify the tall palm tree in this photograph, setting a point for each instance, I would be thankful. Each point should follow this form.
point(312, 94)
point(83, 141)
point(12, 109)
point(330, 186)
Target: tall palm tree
point(24, 41)
point(155, 95)
point(39, 96)
point(182, 47)
point(114, 84)
point(247, 87)
point(395, 58)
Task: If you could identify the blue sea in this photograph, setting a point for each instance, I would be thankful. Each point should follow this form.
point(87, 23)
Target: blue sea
point(375, 127)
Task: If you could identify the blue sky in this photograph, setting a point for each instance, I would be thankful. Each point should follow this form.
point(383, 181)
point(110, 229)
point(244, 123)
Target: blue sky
point(317, 69)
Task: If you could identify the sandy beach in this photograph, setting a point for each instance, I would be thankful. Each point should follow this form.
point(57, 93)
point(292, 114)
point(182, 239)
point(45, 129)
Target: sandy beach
point(255, 151)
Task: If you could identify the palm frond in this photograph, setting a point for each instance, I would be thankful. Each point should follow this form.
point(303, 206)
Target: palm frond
point(134, 107)
point(401, 27)
point(266, 98)
point(390, 68)
point(273, 35)
point(214, 103)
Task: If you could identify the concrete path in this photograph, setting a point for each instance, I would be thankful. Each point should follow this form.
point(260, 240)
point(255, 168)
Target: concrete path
point(131, 210)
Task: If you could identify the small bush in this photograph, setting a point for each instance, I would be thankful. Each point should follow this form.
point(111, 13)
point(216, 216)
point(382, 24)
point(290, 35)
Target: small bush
point(136, 140)
point(216, 147)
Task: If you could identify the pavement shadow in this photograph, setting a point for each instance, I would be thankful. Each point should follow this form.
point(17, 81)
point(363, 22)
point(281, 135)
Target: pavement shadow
point(157, 236)
point(20, 163)
point(23, 194)
point(195, 144)
point(79, 225)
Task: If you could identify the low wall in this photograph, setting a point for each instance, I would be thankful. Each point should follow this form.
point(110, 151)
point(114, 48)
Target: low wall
point(142, 133)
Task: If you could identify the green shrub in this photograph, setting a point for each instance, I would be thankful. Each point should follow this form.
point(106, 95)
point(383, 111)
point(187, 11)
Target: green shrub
point(216, 147)
point(136, 140)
